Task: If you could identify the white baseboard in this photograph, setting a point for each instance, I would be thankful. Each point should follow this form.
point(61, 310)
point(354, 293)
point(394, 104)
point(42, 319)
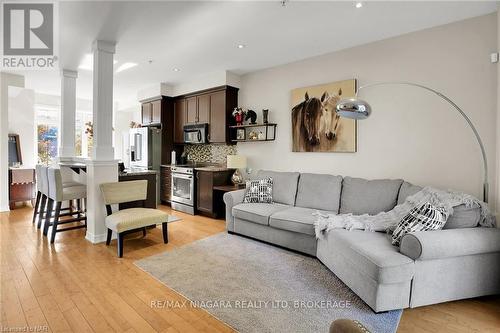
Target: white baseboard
point(4, 209)
point(95, 239)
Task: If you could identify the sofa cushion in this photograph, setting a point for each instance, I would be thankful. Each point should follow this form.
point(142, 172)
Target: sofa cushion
point(406, 190)
point(319, 191)
point(463, 217)
point(361, 196)
point(296, 219)
point(372, 254)
point(284, 185)
point(257, 212)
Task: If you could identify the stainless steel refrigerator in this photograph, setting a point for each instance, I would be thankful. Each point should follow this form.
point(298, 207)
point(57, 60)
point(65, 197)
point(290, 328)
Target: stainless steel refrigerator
point(145, 148)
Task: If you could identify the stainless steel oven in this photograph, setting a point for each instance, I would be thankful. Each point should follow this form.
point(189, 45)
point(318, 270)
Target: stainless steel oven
point(196, 133)
point(182, 190)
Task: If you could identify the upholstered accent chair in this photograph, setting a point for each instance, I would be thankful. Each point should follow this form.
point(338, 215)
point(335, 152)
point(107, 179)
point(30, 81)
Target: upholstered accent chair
point(130, 220)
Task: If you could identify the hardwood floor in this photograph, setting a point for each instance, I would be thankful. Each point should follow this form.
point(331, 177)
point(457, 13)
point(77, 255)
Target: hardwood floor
point(73, 285)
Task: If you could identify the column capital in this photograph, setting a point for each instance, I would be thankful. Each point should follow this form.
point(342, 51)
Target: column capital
point(69, 73)
point(105, 46)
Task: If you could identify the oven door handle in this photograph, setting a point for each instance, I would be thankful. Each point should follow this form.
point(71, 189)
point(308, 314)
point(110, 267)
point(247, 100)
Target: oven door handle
point(176, 175)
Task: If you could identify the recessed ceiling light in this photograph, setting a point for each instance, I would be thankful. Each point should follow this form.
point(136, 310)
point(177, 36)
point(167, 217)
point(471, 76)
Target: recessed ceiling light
point(176, 69)
point(241, 46)
point(359, 4)
point(125, 66)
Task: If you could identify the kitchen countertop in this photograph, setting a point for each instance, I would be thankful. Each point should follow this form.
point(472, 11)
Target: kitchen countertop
point(137, 173)
point(212, 168)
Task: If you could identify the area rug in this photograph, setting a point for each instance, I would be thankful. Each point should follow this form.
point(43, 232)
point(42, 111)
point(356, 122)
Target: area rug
point(256, 287)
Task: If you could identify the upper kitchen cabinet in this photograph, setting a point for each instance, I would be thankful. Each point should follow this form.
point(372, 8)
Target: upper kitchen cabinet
point(151, 111)
point(203, 108)
point(159, 112)
point(192, 110)
point(146, 109)
point(212, 106)
point(180, 119)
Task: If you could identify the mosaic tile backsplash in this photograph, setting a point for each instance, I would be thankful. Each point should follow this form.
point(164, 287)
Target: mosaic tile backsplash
point(210, 153)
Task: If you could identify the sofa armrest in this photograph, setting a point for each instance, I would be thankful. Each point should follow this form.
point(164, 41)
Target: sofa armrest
point(426, 245)
point(231, 199)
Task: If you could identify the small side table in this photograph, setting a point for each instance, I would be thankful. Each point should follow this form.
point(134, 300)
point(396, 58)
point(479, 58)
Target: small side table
point(21, 186)
point(219, 193)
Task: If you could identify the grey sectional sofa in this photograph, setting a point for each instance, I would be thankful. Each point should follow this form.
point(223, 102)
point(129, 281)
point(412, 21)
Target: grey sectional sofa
point(460, 261)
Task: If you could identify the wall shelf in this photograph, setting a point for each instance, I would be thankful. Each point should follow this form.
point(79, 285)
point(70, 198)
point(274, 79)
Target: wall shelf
point(241, 133)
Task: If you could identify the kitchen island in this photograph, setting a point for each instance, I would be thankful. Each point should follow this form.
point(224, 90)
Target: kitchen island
point(149, 175)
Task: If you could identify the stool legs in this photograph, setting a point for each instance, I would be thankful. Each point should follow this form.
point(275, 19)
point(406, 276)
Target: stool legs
point(56, 221)
point(36, 207)
point(48, 215)
point(41, 213)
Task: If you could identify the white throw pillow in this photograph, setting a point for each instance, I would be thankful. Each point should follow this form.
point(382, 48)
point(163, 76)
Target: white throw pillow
point(423, 218)
point(259, 191)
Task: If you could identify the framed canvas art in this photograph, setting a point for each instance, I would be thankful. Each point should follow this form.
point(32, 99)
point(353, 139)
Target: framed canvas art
point(315, 125)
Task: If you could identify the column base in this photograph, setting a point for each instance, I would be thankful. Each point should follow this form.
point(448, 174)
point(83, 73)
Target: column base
point(98, 172)
point(4, 209)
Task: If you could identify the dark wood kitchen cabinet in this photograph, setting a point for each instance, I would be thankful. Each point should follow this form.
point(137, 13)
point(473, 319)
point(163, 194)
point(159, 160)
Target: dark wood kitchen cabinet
point(203, 108)
point(159, 112)
point(206, 202)
point(146, 109)
point(165, 183)
point(180, 119)
point(218, 123)
point(213, 106)
point(156, 111)
point(192, 110)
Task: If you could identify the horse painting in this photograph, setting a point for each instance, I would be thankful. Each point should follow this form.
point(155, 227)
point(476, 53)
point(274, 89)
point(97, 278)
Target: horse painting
point(316, 127)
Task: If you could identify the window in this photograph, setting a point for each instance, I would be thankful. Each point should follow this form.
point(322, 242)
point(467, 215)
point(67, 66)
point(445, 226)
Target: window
point(47, 121)
point(83, 142)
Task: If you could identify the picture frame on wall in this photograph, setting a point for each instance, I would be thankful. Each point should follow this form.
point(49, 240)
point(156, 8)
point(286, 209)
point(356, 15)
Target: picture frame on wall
point(316, 127)
point(240, 134)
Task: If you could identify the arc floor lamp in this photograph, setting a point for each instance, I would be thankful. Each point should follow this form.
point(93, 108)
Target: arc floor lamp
point(355, 108)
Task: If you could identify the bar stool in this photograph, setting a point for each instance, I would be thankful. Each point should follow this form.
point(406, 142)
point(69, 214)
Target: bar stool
point(57, 194)
point(42, 184)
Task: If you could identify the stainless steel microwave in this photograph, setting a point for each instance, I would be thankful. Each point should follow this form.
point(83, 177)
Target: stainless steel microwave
point(196, 133)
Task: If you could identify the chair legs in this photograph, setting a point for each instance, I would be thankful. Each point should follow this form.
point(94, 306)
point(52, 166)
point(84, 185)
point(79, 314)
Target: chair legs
point(108, 238)
point(41, 213)
point(36, 207)
point(120, 244)
point(164, 229)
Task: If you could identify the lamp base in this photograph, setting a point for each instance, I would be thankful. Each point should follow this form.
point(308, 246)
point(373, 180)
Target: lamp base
point(237, 177)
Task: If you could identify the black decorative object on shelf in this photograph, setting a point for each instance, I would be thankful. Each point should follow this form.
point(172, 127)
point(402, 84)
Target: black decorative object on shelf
point(250, 114)
point(265, 113)
point(256, 132)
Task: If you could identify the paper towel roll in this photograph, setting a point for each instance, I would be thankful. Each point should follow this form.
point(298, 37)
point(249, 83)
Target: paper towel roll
point(172, 157)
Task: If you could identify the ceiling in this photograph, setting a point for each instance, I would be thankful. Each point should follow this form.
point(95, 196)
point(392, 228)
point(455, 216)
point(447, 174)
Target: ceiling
point(202, 37)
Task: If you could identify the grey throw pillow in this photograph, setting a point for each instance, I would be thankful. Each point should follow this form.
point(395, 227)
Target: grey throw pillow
point(423, 218)
point(259, 191)
point(463, 217)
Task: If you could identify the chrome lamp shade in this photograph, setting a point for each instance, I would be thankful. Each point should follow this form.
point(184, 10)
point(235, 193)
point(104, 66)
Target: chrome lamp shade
point(353, 108)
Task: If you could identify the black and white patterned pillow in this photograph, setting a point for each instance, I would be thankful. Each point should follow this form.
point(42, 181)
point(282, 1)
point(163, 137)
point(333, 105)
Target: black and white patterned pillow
point(259, 191)
point(423, 218)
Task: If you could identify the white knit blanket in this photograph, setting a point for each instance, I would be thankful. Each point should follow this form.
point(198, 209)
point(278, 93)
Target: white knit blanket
point(386, 220)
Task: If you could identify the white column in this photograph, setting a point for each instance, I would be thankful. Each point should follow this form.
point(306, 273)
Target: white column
point(6, 80)
point(68, 114)
point(102, 167)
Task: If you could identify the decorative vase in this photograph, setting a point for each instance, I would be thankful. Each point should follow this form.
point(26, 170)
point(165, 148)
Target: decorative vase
point(238, 118)
point(265, 113)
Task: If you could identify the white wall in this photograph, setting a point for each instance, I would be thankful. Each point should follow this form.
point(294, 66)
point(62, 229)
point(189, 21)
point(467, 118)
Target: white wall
point(22, 122)
point(411, 134)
